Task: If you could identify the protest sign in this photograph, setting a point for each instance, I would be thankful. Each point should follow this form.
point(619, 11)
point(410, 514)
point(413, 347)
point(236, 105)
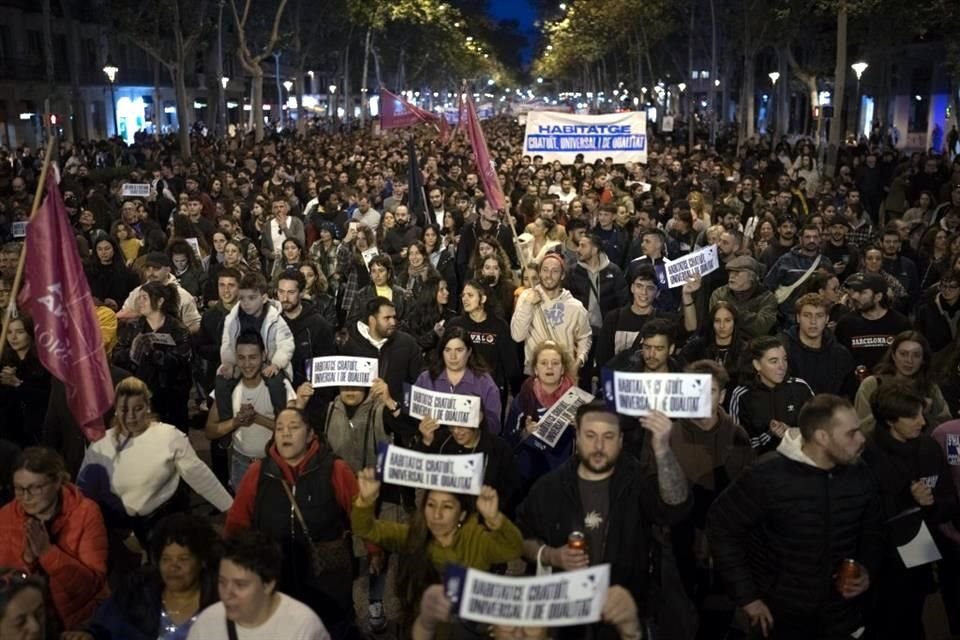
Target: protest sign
point(336, 371)
point(19, 229)
point(369, 255)
point(195, 245)
point(679, 395)
point(560, 415)
point(699, 262)
point(558, 600)
point(453, 473)
point(666, 124)
point(135, 190)
point(451, 409)
point(561, 136)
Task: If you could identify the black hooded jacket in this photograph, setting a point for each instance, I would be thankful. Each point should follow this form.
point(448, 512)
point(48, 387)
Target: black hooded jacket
point(829, 369)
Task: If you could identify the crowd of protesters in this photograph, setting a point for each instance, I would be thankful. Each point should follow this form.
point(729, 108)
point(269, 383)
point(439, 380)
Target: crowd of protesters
point(829, 330)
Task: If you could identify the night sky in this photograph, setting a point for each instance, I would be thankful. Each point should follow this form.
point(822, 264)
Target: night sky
point(523, 13)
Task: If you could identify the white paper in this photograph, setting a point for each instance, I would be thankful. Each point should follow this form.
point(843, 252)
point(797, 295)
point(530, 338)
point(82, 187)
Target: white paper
point(561, 414)
point(921, 550)
point(452, 473)
point(19, 229)
point(195, 245)
point(702, 262)
point(451, 409)
point(135, 190)
point(345, 371)
point(679, 395)
point(369, 255)
point(557, 600)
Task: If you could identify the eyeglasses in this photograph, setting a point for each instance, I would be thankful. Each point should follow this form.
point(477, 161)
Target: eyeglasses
point(32, 490)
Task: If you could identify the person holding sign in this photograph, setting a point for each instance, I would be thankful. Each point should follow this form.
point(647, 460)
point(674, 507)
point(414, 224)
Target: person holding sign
point(549, 382)
point(442, 531)
point(915, 485)
point(769, 402)
point(756, 306)
point(608, 499)
point(781, 531)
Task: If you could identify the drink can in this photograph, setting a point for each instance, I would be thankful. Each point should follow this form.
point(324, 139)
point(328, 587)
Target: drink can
point(577, 540)
point(848, 571)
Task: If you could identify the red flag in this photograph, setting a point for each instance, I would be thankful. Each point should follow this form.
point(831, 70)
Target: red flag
point(57, 297)
point(485, 167)
point(396, 112)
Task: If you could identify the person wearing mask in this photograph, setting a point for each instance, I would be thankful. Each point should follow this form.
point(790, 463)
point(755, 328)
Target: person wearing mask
point(913, 480)
point(251, 606)
point(756, 306)
point(442, 531)
point(712, 452)
point(111, 281)
point(312, 334)
point(813, 354)
point(769, 402)
point(939, 319)
point(279, 227)
point(550, 312)
point(157, 268)
point(157, 349)
point(780, 565)
point(792, 269)
point(549, 382)
point(301, 495)
point(605, 494)
point(51, 530)
point(908, 361)
point(135, 471)
point(162, 600)
point(869, 330)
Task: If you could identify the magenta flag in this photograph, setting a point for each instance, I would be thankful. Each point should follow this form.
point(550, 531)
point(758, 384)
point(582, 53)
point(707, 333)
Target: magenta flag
point(57, 296)
point(396, 112)
point(485, 166)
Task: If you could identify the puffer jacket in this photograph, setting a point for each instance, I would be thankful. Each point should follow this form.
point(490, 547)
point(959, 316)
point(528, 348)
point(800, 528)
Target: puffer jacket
point(354, 435)
point(753, 406)
point(781, 530)
point(277, 338)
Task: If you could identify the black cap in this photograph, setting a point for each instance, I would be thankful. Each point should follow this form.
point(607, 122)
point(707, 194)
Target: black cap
point(157, 259)
point(863, 281)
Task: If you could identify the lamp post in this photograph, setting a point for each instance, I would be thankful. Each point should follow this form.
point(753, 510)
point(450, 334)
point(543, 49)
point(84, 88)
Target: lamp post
point(858, 68)
point(331, 100)
point(111, 71)
point(774, 76)
point(276, 60)
point(225, 119)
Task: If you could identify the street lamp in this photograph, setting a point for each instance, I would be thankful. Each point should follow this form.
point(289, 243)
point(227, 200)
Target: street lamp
point(111, 71)
point(332, 89)
point(774, 76)
point(224, 81)
point(288, 85)
point(858, 68)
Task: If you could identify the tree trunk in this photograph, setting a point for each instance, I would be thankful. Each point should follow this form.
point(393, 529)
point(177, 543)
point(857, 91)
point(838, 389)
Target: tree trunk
point(688, 98)
point(78, 120)
point(376, 68)
point(298, 87)
point(48, 67)
point(347, 97)
point(183, 117)
point(158, 114)
point(783, 96)
point(257, 111)
point(363, 79)
point(838, 125)
point(747, 98)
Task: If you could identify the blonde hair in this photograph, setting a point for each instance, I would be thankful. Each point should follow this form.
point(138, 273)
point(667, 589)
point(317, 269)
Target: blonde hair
point(550, 345)
point(130, 388)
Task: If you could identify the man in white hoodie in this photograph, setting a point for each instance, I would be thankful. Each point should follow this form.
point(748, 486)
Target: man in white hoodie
point(550, 312)
point(782, 532)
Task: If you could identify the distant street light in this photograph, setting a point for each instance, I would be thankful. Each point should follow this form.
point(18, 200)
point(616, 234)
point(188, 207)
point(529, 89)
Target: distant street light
point(539, 80)
point(224, 81)
point(288, 85)
point(682, 86)
point(332, 103)
point(111, 71)
point(774, 76)
point(858, 68)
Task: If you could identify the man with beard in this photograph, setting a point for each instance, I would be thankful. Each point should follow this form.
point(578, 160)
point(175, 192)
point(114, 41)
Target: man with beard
point(781, 563)
point(899, 266)
point(487, 223)
point(842, 255)
point(786, 239)
point(870, 329)
point(756, 306)
point(401, 236)
point(606, 497)
point(790, 270)
point(312, 335)
point(157, 267)
point(745, 201)
point(651, 352)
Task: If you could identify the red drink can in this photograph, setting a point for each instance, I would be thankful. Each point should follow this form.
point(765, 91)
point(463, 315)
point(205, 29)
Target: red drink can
point(577, 540)
point(849, 570)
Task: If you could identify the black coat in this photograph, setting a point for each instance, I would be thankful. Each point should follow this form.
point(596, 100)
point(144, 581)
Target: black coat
point(553, 509)
point(111, 282)
point(312, 338)
point(782, 529)
point(827, 370)
point(612, 291)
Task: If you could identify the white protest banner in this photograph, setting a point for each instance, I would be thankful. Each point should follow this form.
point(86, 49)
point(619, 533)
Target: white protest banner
point(195, 245)
point(666, 124)
point(454, 473)
point(558, 600)
point(451, 409)
point(135, 190)
point(560, 415)
point(561, 136)
point(19, 228)
point(369, 255)
point(336, 371)
point(679, 395)
point(702, 261)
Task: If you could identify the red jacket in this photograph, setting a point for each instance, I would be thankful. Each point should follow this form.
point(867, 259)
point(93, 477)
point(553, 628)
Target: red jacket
point(76, 562)
point(241, 513)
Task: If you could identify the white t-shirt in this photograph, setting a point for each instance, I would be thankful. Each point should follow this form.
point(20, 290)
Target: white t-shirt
point(292, 620)
point(252, 440)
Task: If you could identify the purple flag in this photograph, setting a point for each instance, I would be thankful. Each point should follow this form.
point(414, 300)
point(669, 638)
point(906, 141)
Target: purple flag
point(396, 112)
point(488, 172)
point(57, 296)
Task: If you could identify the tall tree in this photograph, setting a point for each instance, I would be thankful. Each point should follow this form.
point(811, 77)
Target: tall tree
point(257, 37)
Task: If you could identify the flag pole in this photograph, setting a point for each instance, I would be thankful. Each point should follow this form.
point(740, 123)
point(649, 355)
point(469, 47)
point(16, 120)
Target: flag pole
point(18, 278)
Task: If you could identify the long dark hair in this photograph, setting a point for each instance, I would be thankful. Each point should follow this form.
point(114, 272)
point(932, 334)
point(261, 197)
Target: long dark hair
point(754, 351)
point(474, 361)
point(734, 353)
point(922, 381)
point(415, 569)
point(171, 297)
